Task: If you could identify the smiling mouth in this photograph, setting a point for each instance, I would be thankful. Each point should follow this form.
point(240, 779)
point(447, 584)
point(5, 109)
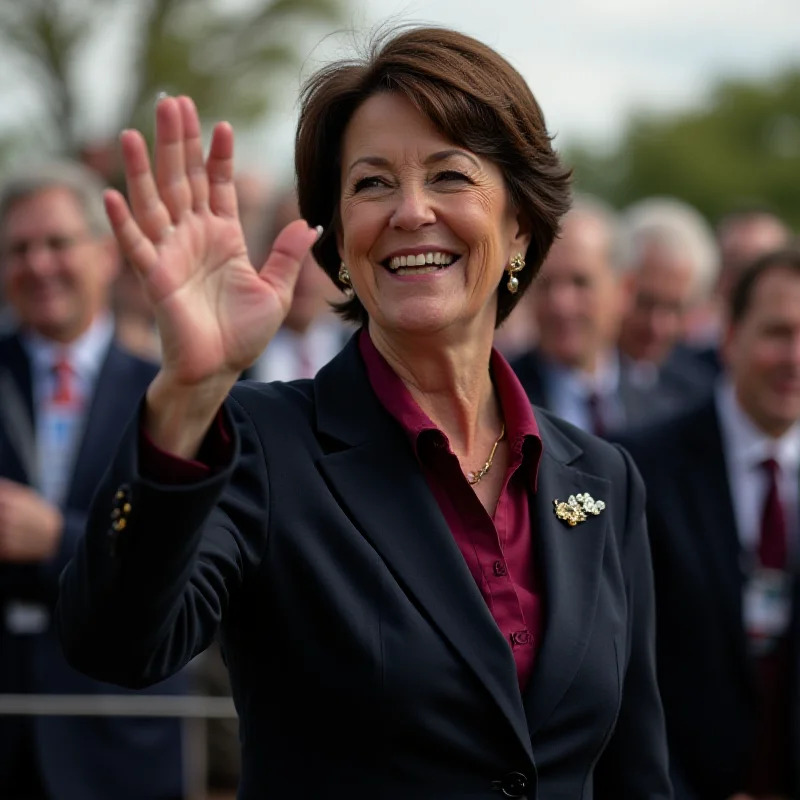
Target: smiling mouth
point(420, 264)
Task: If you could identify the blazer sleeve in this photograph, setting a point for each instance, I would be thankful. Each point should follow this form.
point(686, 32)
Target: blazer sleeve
point(158, 564)
point(635, 764)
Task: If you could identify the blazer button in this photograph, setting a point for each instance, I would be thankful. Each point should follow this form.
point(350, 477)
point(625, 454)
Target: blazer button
point(514, 784)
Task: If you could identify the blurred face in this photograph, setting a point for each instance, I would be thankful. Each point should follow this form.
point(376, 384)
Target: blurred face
point(661, 291)
point(763, 353)
point(577, 298)
point(743, 242)
point(56, 275)
point(314, 288)
point(427, 227)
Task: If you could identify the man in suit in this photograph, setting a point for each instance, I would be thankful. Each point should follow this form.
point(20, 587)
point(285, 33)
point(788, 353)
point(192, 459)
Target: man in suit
point(311, 335)
point(66, 393)
point(722, 506)
point(671, 267)
point(579, 301)
point(742, 236)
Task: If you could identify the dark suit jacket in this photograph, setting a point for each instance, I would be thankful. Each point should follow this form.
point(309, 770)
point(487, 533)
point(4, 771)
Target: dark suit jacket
point(674, 391)
point(364, 661)
point(706, 677)
point(80, 758)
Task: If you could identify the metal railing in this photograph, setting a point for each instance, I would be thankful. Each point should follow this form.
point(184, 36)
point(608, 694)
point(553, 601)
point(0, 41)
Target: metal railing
point(193, 710)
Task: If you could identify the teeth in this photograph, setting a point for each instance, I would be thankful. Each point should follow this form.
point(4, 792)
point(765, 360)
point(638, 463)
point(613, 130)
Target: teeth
point(434, 258)
point(417, 271)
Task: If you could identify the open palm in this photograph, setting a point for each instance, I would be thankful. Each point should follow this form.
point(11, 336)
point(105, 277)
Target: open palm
point(181, 232)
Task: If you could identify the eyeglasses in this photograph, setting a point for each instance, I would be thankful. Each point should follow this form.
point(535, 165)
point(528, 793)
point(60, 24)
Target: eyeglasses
point(20, 248)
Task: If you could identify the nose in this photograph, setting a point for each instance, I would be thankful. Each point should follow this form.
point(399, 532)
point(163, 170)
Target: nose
point(38, 258)
point(413, 209)
point(562, 298)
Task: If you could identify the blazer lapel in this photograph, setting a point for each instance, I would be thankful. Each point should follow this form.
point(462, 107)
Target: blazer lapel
point(377, 478)
point(101, 418)
point(16, 407)
point(571, 566)
point(711, 508)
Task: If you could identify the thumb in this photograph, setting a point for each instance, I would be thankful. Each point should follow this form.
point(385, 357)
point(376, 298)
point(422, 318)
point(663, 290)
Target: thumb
point(289, 250)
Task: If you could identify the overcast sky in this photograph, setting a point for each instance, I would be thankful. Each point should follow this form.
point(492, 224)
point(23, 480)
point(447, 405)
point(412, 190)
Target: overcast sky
point(589, 62)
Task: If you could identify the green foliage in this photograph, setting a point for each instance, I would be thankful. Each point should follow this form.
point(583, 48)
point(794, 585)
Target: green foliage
point(741, 147)
point(227, 60)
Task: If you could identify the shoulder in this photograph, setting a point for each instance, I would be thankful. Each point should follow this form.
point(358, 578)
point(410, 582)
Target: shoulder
point(587, 452)
point(666, 440)
point(280, 408)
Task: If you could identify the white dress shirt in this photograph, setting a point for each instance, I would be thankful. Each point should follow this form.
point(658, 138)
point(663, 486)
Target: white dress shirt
point(745, 448)
point(86, 355)
point(568, 392)
point(283, 358)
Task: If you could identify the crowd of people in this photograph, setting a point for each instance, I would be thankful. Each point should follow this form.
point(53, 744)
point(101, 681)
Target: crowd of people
point(651, 327)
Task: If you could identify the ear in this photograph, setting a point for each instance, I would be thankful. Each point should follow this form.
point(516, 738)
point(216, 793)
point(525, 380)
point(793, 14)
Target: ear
point(340, 242)
point(521, 235)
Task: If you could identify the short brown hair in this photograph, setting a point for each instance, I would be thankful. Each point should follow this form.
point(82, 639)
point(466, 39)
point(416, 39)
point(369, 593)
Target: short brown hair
point(787, 258)
point(472, 95)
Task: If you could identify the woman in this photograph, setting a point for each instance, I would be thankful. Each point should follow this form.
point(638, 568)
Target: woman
point(404, 611)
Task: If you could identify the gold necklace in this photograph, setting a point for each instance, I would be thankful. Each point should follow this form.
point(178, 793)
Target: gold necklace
point(476, 477)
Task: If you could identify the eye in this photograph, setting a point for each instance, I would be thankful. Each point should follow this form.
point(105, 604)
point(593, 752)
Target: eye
point(449, 175)
point(370, 182)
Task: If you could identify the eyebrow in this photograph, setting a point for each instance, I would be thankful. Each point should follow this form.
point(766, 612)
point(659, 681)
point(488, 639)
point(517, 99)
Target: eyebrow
point(434, 158)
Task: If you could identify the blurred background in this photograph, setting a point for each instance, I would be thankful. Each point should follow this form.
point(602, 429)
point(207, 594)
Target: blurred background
point(700, 100)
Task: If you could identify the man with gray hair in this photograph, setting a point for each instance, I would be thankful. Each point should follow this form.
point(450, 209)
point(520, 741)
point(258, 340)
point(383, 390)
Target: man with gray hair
point(671, 268)
point(67, 390)
point(579, 302)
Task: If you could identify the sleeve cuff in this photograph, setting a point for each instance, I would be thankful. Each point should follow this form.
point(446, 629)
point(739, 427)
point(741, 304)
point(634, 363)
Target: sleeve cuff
point(215, 454)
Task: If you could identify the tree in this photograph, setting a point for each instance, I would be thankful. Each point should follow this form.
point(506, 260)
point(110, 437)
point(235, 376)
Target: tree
point(225, 58)
point(740, 147)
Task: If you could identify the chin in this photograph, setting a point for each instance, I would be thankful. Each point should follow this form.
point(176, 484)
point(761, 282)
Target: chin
point(414, 314)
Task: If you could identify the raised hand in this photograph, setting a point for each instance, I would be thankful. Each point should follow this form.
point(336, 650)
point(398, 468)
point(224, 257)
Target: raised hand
point(215, 312)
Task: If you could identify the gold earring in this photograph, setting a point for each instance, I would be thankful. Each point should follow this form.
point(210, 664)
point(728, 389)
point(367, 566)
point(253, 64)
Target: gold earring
point(344, 275)
point(517, 264)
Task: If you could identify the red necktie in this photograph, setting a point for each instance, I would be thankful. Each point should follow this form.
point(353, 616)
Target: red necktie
point(64, 393)
point(772, 548)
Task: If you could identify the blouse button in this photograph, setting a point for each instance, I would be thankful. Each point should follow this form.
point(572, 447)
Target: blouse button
point(500, 568)
point(521, 637)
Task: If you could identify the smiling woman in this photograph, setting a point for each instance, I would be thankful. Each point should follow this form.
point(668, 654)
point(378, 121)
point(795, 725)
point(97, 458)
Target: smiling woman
point(403, 613)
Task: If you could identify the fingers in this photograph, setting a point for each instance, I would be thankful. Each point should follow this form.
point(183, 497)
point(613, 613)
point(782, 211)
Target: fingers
point(137, 248)
point(193, 154)
point(170, 159)
point(219, 167)
point(288, 252)
point(152, 216)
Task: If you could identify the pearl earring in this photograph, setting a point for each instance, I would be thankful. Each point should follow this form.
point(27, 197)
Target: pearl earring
point(517, 264)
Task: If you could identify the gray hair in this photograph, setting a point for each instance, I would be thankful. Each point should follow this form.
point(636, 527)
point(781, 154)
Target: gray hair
point(679, 228)
point(587, 205)
point(82, 182)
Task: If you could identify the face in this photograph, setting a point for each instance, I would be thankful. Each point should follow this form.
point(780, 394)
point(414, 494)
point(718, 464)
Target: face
point(743, 242)
point(56, 274)
point(577, 298)
point(661, 292)
point(427, 227)
point(763, 352)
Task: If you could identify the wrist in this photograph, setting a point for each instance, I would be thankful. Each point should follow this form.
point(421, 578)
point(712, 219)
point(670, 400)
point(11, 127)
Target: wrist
point(178, 416)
